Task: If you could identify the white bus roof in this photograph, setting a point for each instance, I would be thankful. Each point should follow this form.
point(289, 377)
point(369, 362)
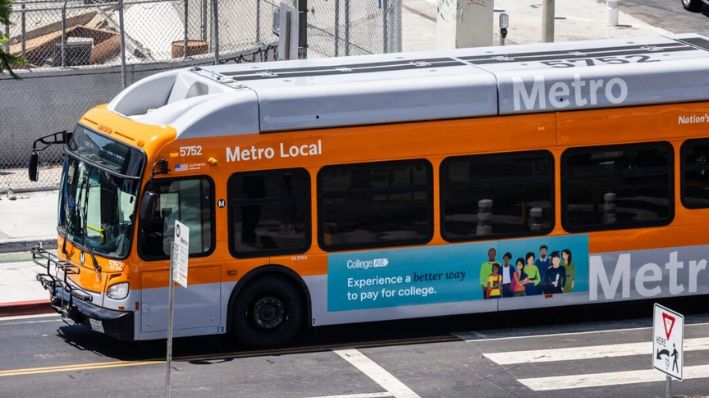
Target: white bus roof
point(288, 95)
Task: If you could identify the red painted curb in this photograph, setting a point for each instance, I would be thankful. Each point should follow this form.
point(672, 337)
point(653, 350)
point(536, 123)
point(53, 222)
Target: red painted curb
point(25, 308)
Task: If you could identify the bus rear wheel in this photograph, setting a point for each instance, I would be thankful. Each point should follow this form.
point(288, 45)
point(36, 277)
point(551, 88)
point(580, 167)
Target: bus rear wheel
point(268, 312)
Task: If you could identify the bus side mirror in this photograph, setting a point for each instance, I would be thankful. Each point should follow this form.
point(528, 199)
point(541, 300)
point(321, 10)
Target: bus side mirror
point(147, 206)
point(32, 168)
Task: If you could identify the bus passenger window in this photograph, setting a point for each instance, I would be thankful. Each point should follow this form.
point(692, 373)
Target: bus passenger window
point(269, 212)
point(375, 205)
point(615, 187)
point(695, 174)
point(186, 200)
point(497, 195)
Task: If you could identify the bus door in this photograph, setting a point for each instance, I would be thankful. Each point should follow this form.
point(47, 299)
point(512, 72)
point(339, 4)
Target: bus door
point(191, 201)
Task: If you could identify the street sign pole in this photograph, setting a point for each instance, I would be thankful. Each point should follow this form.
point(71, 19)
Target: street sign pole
point(170, 314)
point(179, 267)
point(668, 344)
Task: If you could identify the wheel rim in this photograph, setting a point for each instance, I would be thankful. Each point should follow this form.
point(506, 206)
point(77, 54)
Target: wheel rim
point(269, 312)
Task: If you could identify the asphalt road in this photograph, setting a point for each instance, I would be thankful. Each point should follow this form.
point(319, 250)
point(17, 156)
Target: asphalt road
point(667, 14)
point(472, 356)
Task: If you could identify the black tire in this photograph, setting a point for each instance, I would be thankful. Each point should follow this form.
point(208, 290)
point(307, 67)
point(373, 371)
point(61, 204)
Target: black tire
point(692, 5)
point(268, 312)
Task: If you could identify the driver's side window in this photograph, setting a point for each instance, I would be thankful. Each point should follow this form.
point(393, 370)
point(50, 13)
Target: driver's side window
point(188, 200)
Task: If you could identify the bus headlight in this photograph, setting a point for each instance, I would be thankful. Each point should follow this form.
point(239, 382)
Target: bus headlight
point(119, 291)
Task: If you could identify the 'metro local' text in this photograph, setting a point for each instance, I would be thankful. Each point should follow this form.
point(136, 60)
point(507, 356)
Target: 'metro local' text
point(239, 154)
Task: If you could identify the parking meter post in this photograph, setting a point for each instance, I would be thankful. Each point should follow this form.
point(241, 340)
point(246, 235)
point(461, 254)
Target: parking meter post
point(504, 24)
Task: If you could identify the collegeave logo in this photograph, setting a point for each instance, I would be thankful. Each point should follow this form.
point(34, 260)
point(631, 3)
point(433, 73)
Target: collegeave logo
point(367, 264)
point(559, 95)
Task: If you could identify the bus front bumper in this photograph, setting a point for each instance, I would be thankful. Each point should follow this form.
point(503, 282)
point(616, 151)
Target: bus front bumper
point(75, 304)
point(114, 323)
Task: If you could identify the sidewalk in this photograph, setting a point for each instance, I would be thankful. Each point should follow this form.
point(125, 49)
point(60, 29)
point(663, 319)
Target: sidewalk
point(575, 20)
point(30, 218)
point(21, 293)
point(26, 219)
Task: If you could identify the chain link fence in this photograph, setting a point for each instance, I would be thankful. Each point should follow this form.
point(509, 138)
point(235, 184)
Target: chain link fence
point(98, 33)
point(80, 53)
point(343, 27)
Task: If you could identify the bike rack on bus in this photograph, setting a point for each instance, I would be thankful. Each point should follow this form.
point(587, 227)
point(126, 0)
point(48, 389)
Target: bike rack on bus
point(62, 292)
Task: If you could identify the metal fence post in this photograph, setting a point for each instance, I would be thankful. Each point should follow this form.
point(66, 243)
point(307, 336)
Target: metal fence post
point(385, 26)
point(7, 34)
point(215, 17)
point(122, 29)
point(204, 22)
point(548, 13)
point(258, 21)
point(347, 27)
point(24, 29)
point(184, 45)
point(302, 29)
point(63, 45)
point(337, 27)
point(396, 43)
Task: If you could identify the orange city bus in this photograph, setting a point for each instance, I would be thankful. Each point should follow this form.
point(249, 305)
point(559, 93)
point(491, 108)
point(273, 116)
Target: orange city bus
point(391, 186)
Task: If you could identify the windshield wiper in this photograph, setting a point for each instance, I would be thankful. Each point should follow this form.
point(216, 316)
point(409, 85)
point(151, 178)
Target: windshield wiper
point(95, 263)
point(85, 207)
point(71, 217)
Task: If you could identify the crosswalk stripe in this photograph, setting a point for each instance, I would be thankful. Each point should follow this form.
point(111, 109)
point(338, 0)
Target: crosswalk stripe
point(523, 334)
point(365, 395)
point(589, 352)
point(377, 373)
point(608, 379)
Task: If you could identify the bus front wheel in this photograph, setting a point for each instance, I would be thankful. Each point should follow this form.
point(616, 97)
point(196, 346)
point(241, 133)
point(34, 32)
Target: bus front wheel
point(268, 312)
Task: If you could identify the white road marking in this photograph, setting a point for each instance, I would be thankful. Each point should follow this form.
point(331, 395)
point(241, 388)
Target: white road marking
point(366, 395)
point(473, 336)
point(31, 322)
point(375, 372)
point(608, 379)
point(589, 352)
point(18, 317)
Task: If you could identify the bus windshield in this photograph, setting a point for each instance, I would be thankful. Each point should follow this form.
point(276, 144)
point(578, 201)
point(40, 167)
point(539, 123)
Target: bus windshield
point(99, 188)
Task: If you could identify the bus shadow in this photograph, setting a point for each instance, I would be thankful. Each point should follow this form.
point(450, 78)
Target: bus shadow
point(208, 350)
point(82, 338)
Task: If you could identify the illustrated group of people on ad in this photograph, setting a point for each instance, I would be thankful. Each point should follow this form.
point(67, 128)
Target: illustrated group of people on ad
point(548, 274)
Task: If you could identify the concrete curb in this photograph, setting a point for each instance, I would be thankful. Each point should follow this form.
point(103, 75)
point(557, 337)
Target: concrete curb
point(23, 244)
point(25, 308)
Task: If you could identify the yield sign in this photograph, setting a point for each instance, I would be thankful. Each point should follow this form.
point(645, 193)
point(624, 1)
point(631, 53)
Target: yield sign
point(667, 341)
point(668, 321)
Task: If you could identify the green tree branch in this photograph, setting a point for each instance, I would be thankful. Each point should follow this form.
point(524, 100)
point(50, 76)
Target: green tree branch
point(7, 60)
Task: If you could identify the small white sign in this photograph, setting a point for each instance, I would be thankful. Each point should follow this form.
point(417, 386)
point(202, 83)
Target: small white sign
point(667, 342)
point(96, 325)
point(180, 253)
